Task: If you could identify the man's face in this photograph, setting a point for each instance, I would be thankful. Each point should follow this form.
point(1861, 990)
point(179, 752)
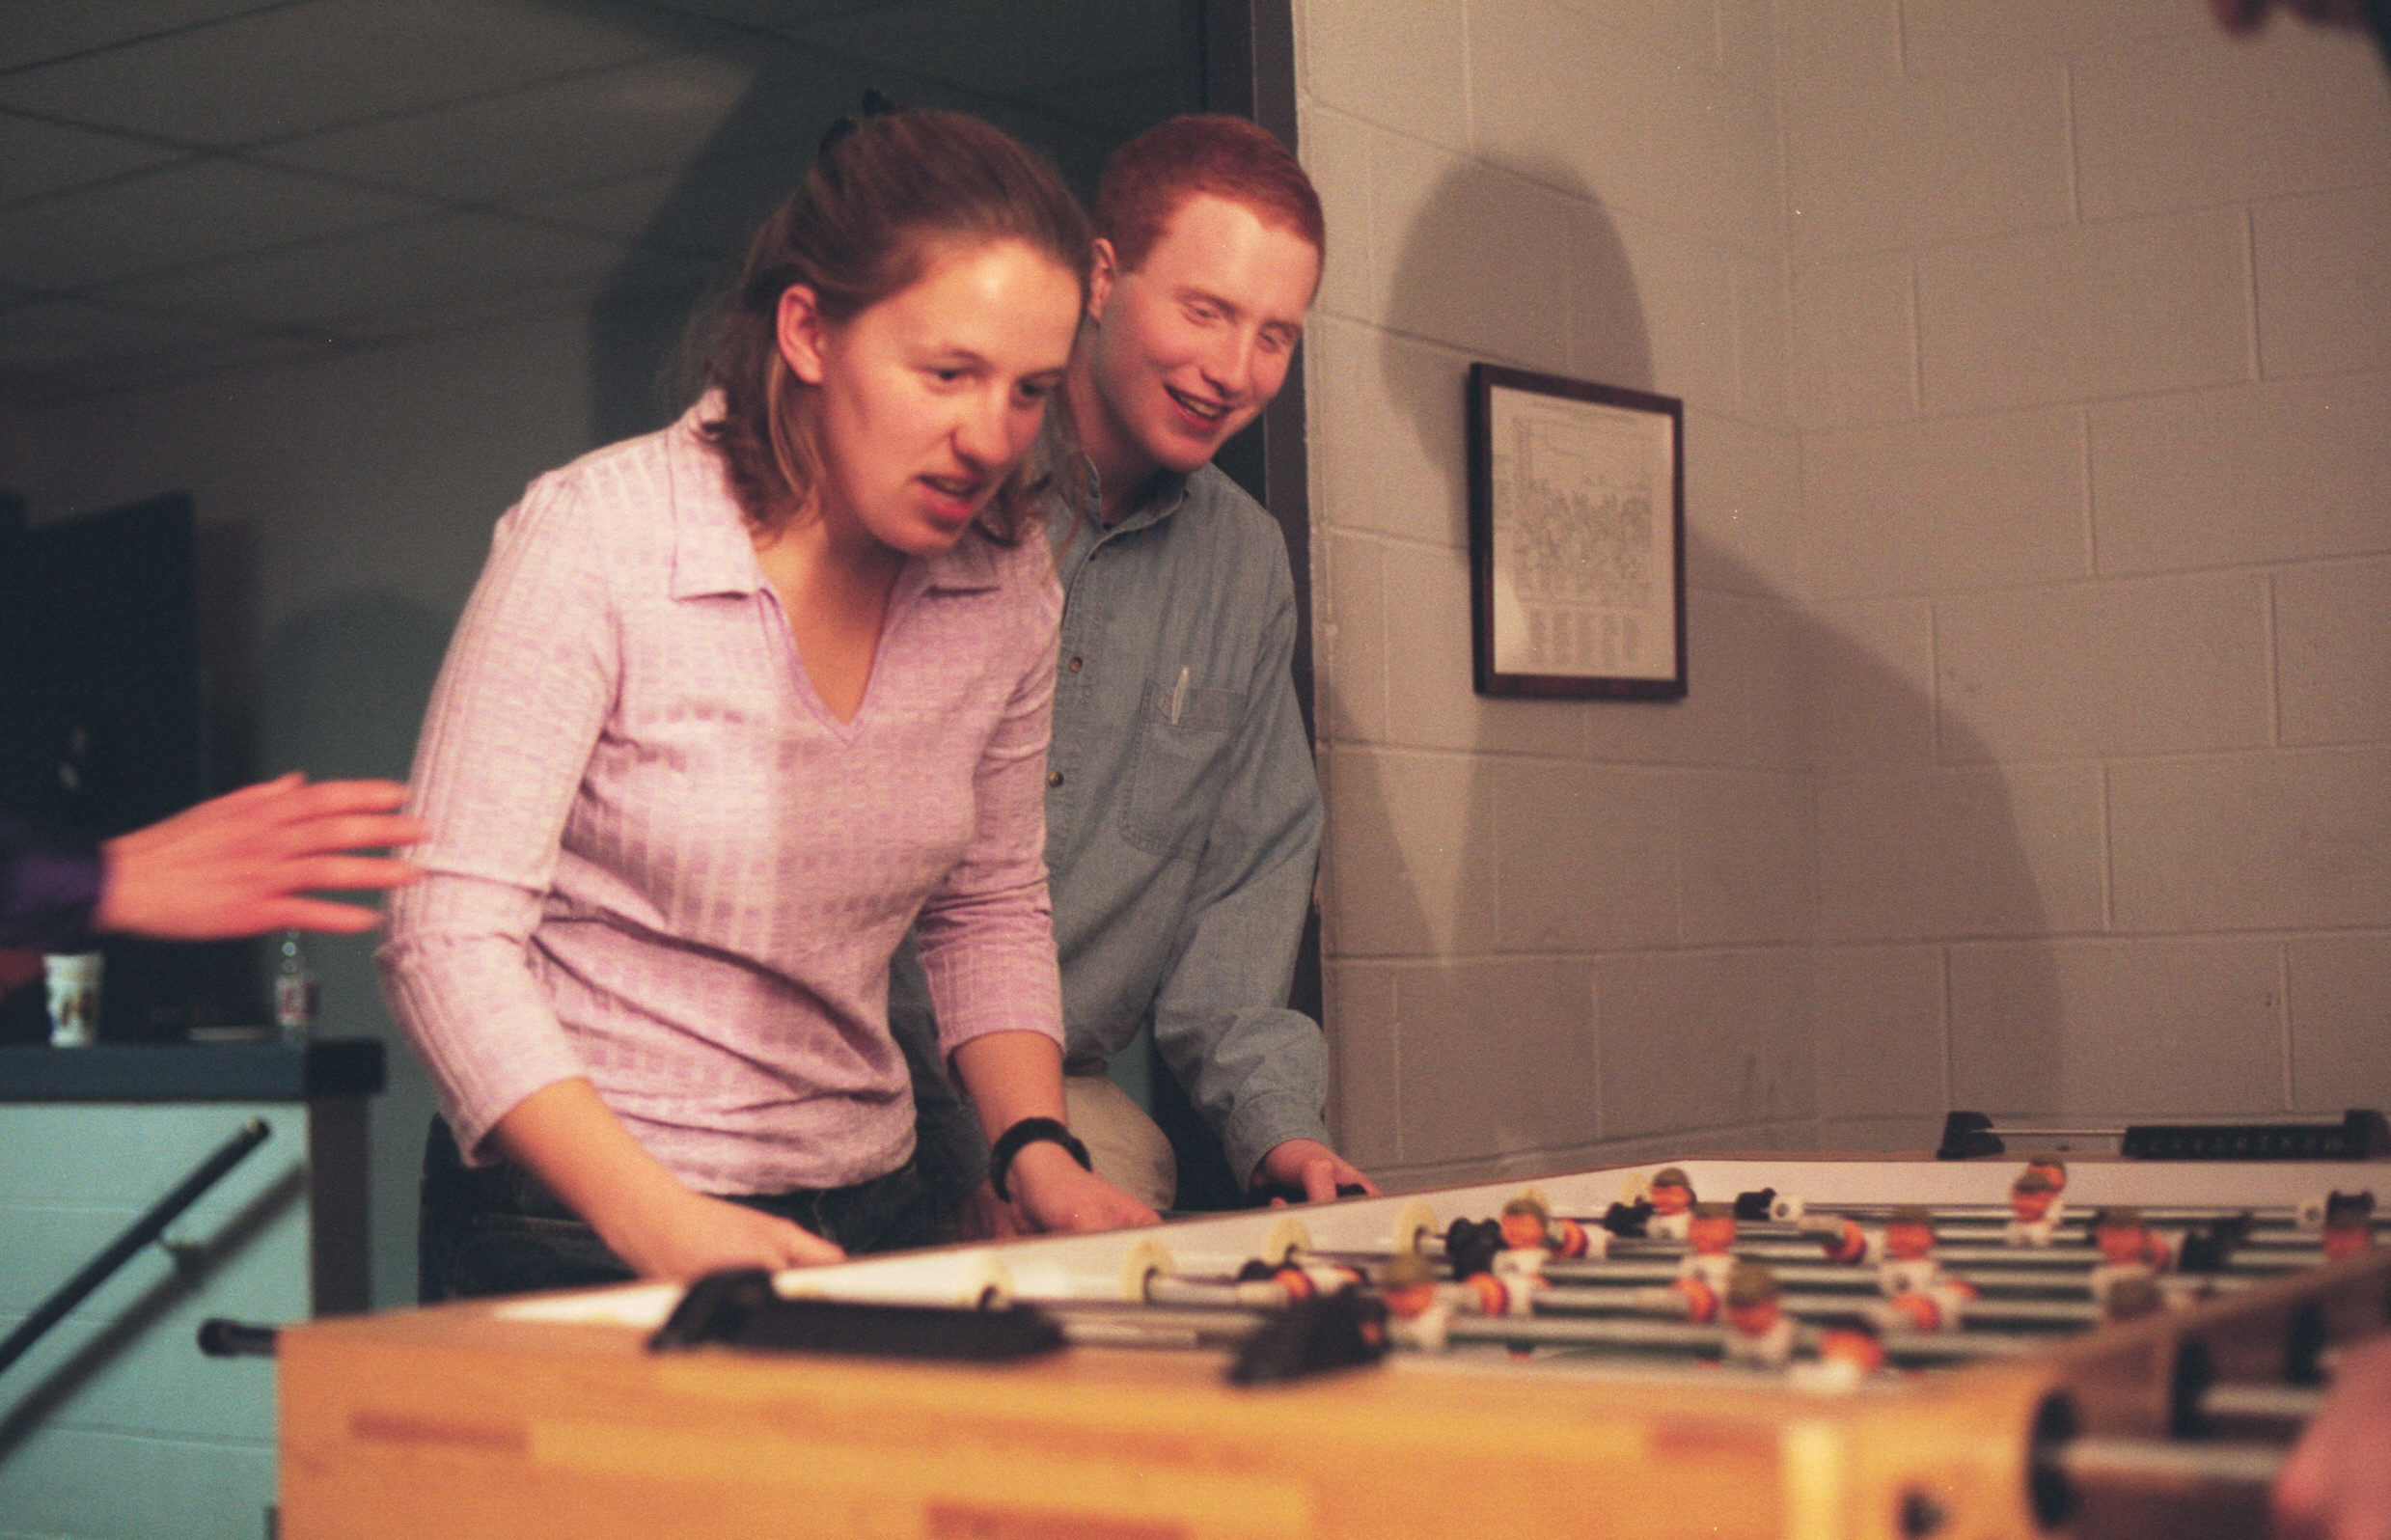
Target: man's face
point(1710, 1234)
point(2030, 1203)
point(1192, 345)
point(1909, 1242)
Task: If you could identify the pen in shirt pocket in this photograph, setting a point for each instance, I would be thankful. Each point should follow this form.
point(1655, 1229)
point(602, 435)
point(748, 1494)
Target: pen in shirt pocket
point(1178, 698)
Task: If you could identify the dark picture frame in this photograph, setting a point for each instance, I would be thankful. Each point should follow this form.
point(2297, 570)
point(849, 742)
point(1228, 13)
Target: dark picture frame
point(1577, 537)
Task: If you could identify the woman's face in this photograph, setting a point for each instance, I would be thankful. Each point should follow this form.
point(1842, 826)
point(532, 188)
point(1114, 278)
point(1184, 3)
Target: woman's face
point(929, 398)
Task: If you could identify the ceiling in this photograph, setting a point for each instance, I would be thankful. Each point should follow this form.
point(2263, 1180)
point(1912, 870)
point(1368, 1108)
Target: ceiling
point(193, 185)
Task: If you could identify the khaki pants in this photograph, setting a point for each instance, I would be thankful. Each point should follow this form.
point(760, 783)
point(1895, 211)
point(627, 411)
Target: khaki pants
point(1130, 1149)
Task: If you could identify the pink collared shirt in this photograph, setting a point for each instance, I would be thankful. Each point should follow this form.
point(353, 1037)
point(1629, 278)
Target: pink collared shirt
point(658, 861)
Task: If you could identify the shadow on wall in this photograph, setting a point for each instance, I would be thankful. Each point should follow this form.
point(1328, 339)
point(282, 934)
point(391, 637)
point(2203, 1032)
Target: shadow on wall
point(1566, 932)
point(343, 690)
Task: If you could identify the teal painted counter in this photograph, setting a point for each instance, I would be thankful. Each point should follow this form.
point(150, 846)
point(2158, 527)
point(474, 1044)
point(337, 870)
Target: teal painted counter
point(115, 1424)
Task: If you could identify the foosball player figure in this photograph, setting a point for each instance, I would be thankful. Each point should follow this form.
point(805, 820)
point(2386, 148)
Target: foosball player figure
point(2348, 1225)
point(2034, 1208)
point(1671, 1197)
point(2129, 1250)
point(1470, 1246)
point(1526, 1222)
point(1759, 1331)
point(2125, 1241)
point(1849, 1353)
point(2131, 1295)
point(1417, 1309)
point(1920, 1293)
point(1908, 1259)
point(1298, 1279)
point(1845, 1240)
point(1702, 1275)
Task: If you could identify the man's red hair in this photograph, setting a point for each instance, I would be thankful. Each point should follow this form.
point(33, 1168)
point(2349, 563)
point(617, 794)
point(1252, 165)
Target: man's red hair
point(1146, 179)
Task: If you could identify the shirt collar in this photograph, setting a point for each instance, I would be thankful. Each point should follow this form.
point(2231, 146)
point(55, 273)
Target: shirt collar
point(1164, 492)
point(711, 550)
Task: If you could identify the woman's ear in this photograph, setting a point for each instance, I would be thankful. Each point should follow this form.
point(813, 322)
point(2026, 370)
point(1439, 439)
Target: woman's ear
point(800, 330)
point(1101, 272)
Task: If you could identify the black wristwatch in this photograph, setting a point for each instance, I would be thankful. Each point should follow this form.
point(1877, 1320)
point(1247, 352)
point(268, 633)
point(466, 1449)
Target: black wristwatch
point(1031, 1131)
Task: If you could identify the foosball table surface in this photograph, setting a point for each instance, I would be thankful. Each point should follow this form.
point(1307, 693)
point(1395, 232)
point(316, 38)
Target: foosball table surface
point(549, 1415)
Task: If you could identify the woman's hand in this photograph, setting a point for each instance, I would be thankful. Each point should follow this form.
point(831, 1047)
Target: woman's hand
point(1052, 1193)
point(688, 1235)
point(573, 1141)
point(986, 1217)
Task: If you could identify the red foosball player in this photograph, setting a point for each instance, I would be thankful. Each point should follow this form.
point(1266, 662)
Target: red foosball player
point(2125, 1241)
point(1702, 1275)
point(1528, 1222)
point(2034, 1207)
point(1759, 1331)
point(2130, 1249)
point(1417, 1309)
point(1918, 1291)
point(2348, 1225)
point(1671, 1197)
point(1844, 1240)
point(1849, 1354)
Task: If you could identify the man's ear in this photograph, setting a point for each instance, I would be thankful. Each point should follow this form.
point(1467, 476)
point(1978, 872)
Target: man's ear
point(1102, 269)
point(799, 329)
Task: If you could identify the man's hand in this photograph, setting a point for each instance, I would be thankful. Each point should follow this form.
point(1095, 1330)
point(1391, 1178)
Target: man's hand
point(243, 863)
point(1051, 1193)
point(1310, 1168)
point(2337, 1485)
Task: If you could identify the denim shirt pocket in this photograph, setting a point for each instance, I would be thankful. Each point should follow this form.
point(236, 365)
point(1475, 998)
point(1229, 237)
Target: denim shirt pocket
point(1176, 768)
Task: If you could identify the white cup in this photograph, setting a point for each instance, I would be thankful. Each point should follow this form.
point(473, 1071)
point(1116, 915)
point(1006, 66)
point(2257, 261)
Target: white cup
point(74, 997)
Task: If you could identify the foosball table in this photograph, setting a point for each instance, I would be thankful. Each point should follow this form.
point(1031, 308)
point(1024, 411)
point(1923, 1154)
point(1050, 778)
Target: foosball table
point(1609, 1371)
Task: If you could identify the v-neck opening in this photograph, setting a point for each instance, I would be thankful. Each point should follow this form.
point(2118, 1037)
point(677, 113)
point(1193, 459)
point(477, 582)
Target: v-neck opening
point(912, 579)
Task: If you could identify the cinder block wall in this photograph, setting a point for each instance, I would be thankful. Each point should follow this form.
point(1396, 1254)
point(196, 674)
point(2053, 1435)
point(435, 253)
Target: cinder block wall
point(2092, 359)
point(2038, 449)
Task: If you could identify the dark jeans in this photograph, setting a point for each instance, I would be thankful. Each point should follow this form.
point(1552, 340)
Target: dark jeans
point(497, 1230)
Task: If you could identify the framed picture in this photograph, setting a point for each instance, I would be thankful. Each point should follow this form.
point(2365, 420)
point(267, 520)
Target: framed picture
point(1577, 537)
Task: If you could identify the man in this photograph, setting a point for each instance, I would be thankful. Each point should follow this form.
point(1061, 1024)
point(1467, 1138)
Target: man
point(1183, 816)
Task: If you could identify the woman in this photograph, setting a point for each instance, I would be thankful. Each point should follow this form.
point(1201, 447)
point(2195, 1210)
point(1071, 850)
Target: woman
point(730, 705)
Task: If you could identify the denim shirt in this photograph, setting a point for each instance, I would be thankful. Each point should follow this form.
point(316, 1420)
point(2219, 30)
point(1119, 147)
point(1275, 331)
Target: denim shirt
point(1181, 822)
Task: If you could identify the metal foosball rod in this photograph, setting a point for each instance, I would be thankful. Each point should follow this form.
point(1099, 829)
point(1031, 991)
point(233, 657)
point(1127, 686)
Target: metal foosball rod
point(2136, 1464)
point(2258, 1262)
point(1826, 1278)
